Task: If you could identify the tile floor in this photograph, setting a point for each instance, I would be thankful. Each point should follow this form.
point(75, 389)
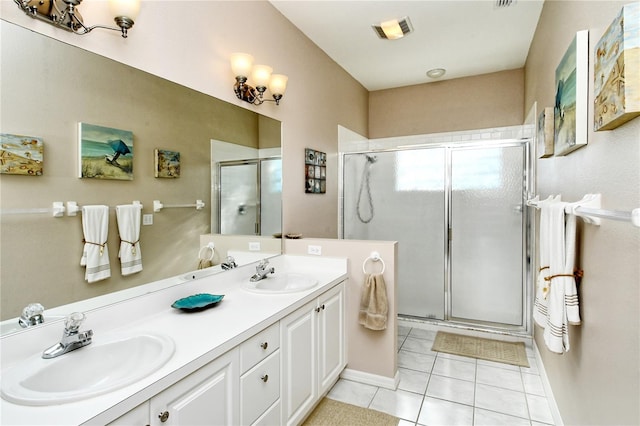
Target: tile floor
point(442, 389)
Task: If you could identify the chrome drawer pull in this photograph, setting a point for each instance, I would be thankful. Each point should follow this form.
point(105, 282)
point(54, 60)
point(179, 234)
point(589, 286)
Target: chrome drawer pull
point(164, 416)
point(264, 345)
point(264, 378)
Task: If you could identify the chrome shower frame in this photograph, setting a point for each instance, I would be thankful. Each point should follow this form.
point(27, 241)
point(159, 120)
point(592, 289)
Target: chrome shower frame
point(528, 232)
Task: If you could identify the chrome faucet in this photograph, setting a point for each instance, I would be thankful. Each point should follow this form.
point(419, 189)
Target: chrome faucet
point(32, 314)
point(262, 270)
point(72, 339)
point(229, 264)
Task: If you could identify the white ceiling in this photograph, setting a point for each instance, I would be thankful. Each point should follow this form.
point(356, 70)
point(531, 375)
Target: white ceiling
point(466, 38)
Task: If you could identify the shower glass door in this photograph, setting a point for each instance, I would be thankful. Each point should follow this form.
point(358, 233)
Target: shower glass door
point(486, 234)
point(400, 196)
point(239, 201)
point(457, 215)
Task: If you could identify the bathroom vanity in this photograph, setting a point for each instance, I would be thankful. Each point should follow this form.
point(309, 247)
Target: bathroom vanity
point(256, 357)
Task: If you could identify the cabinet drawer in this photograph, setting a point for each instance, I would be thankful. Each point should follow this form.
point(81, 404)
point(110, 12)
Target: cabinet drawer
point(256, 348)
point(259, 388)
point(271, 417)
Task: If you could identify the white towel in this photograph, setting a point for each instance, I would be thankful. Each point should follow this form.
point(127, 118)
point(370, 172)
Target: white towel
point(563, 298)
point(128, 218)
point(540, 312)
point(95, 254)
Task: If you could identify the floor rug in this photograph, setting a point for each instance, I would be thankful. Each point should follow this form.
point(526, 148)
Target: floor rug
point(512, 353)
point(330, 412)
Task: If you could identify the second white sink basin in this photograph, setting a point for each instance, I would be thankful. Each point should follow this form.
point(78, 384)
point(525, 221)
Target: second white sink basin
point(95, 369)
point(283, 283)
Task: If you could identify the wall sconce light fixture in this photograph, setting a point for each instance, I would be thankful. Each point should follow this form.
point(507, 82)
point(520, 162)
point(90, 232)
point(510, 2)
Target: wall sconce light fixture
point(64, 14)
point(261, 75)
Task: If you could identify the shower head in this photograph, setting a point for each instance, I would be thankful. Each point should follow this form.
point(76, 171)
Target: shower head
point(371, 158)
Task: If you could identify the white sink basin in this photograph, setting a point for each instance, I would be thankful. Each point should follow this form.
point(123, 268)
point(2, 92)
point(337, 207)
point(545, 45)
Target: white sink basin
point(283, 283)
point(101, 367)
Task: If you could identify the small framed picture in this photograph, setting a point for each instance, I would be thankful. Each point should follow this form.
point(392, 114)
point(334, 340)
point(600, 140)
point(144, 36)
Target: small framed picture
point(315, 171)
point(167, 163)
point(544, 133)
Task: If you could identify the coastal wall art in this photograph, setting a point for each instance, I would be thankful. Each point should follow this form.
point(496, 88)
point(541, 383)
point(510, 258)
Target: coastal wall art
point(544, 133)
point(21, 155)
point(571, 101)
point(167, 163)
point(617, 71)
point(105, 152)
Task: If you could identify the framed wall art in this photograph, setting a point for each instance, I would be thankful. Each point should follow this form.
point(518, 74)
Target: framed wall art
point(315, 164)
point(105, 152)
point(572, 84)
point(544, 133)
point(21, 155)
point(617, 71)
point(167, 163)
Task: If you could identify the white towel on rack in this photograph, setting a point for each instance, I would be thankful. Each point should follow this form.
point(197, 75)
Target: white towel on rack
point(95, 253)
point(540, 312)
point(563, 299)
point(130, 254)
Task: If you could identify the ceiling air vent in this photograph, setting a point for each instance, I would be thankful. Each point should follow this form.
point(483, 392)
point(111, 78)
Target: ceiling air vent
point(394, 29)
point(504, 3)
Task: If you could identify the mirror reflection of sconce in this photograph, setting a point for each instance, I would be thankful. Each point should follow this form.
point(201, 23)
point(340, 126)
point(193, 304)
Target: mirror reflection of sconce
point(64, 14)
point(242, 66)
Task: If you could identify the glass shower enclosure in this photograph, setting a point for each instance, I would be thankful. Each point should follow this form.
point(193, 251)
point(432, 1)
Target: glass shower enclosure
point(457, 214)
point(250, 196)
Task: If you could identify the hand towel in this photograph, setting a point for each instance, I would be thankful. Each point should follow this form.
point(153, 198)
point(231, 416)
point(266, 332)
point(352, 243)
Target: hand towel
point(95, 253)
point(374, 305)
point(130, 254)
point(540, 311)
point(563, 298)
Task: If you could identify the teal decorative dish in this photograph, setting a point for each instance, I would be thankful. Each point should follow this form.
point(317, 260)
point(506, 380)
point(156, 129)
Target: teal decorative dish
point(197, 302)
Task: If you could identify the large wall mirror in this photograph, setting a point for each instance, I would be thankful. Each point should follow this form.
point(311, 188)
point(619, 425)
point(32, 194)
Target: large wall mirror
point(48, 88)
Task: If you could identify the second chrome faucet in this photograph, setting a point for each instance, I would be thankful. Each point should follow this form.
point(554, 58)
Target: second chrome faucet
point(262, 270)
point(72, 338)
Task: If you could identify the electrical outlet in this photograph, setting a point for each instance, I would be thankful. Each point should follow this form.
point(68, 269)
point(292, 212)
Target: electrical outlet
point(147, 219)
point(254, 246)
point(317, 250)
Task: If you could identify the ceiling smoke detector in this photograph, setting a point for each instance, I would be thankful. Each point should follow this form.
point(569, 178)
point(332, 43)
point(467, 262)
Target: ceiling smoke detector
point(394, 29)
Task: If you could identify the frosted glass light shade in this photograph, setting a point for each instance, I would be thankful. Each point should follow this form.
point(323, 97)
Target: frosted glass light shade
point(261, 75)
point(278, 84)
point(126, 8)
point(241, 64)
point(392, 29)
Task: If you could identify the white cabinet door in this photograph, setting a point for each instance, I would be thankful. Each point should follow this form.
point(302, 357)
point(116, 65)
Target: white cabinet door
point(208, 396)
point(299, 363)
point(332, 354)
point(313, 348)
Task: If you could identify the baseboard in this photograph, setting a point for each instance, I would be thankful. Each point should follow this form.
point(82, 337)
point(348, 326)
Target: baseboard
point(555, 411)
point(371, 379)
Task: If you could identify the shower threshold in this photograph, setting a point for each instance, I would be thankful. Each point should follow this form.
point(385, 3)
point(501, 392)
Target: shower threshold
point(499, 331)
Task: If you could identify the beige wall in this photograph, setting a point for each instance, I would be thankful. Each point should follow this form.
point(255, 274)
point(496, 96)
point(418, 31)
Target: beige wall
point(598, 380)
point(192, 51)
point(480, 102)
point(371, 352)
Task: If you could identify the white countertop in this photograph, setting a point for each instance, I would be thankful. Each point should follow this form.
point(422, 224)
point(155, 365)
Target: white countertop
point(200, 337)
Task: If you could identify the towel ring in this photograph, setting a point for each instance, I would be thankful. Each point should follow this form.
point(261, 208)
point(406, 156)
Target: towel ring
point(209, 246)
point(375, 257)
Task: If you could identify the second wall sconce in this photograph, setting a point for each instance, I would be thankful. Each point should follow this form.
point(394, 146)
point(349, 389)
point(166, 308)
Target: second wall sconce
point(64, 14)
point(261, 75)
